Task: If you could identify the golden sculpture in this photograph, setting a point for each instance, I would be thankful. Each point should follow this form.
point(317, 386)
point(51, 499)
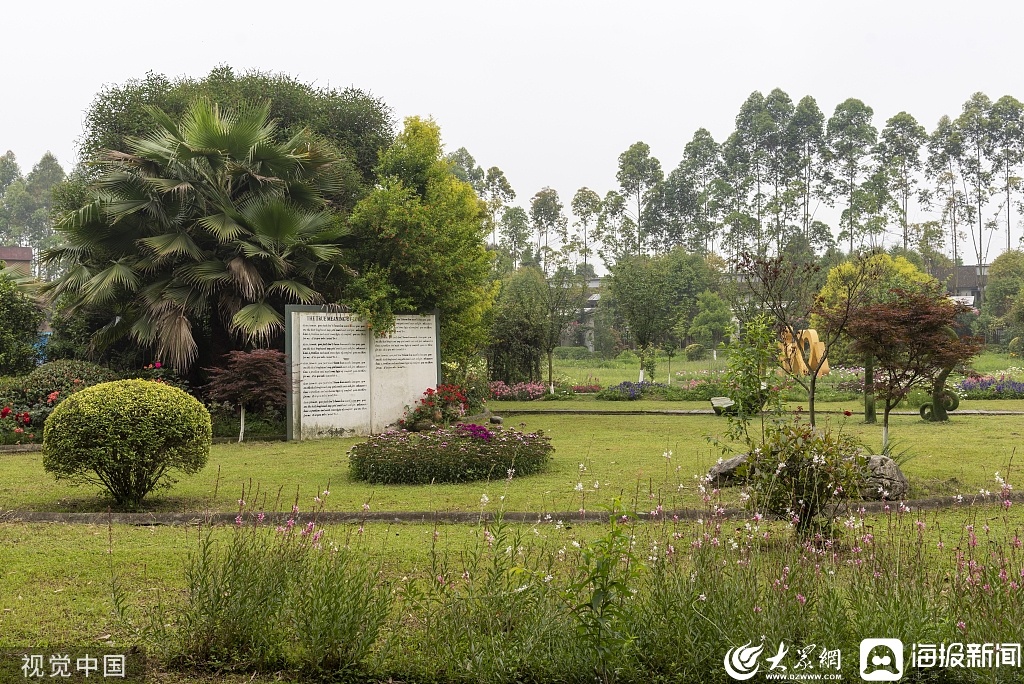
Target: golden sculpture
point(794, 351)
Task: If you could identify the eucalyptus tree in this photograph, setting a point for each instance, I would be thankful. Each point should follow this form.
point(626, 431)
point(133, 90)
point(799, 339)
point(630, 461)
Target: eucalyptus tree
point(898, 155)
point(974, 127)
point(496, 193)
point(515, 233)
point(547, 217)
point(638, 174)
point(702, 164)
point(466, 169)
point(201, 231)
point(943, 168)
point(1007, 139)
point(675, 206)
point(748, 152)
point(615, 229)
point(782, 160)
point(586, 206)
point(737, 183)
point(807, 135)
point(851, 136)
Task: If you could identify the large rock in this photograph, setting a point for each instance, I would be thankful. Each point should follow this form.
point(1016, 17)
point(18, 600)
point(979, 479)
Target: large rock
point(885, 480)
point(723, 473)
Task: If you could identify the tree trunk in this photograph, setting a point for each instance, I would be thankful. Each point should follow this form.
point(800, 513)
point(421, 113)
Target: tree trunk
point(870, 416)
point(885, 428)
point(810, 395)
point(241, 423)
point(551, 381)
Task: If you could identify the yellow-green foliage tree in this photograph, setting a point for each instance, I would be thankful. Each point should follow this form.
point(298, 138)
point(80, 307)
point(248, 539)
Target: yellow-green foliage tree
point(885, 275)
point(420, 245)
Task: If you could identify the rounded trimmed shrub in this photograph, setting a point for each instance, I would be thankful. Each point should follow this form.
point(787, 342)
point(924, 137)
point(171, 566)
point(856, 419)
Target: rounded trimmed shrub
point(1015, 347)
point(127, 436)
point(695, 352)
point(461, 453)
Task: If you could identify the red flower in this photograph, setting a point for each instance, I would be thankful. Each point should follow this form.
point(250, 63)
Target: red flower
point(5, 412)
point(25, 418)
point(157, 364)
point(847, 413)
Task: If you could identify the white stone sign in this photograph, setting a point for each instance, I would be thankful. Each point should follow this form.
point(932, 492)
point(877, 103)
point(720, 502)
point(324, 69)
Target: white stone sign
point(346, 381)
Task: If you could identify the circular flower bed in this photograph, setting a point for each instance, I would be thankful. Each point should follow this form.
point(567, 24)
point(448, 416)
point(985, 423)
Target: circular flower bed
point(461, 453)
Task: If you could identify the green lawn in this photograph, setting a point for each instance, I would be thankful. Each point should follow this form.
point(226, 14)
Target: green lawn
point(623, 455)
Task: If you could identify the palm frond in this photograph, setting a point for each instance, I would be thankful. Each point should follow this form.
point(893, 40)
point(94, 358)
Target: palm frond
point(175, 345)
point(246, 277)
point(170, 245)
point(296, 291)
point(223, 227)
point(103, 287)
point(257, 322)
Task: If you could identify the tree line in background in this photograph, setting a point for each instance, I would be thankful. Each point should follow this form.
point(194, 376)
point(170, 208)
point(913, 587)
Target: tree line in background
point(762, 190)
point(202, 207)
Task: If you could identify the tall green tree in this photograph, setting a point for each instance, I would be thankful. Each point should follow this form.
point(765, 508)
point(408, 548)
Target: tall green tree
point(25, 207)
point(615, 229)
point(515, 234)
point(466, 169)
point(419, 245)
point(1007, 140)
point(351, 123)
point(898, 154)
point(202, 231)
point(974, 126)
point(518, 328)
point(497, 192)
point(781, 163)
point(701, 163)
point(638, 174)
point(1005, 282)
point(654, 294)
point(586, 206)
point(549, 221)
point(851, 136)
point(807, 135)
point(943, 168)
point(747, 157)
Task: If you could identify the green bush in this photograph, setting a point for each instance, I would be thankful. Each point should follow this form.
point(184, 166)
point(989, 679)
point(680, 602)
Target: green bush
point(461, 453)
point(573, 353)
point(65, 377)
point(800, 472)
point(627, 356)
point(1015, 346)
point(126, 436)
point(695, 352)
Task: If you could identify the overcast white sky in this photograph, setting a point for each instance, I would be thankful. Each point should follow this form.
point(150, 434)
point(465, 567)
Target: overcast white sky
point(551, 92)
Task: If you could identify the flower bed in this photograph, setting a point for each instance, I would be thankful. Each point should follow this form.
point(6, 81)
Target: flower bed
point(461, 453)
point(990, 387)
point(521, 391)
point(687, 390)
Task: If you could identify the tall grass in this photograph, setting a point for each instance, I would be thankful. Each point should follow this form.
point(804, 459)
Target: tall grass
point(661, 600)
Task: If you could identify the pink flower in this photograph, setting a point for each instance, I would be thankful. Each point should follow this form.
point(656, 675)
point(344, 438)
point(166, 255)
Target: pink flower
point(157, 365)
point(801, 599)
point(238, 520)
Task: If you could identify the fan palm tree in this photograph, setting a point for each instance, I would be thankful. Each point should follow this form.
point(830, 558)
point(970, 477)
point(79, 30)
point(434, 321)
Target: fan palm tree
point(209, 223)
